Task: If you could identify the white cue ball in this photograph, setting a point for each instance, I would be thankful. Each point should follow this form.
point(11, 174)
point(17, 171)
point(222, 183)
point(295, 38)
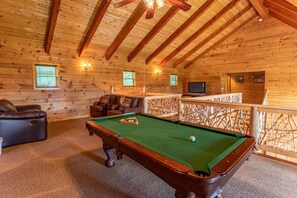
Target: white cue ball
point(192, 139)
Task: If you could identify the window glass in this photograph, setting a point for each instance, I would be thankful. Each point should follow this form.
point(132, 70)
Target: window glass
point(129, 78)
point(46, 76)
point(173, 80)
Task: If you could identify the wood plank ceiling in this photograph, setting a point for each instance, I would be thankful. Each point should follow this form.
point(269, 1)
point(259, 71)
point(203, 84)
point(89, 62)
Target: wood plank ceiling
point(172, 38)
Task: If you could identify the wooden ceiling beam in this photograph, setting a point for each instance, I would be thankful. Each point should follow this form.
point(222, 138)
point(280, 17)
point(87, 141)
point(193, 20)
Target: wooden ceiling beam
point(283, 19)
point(259, 7)
point(284, 8)
point(221, 40)
point(211, 36)
point(180, 30)
point(55, 8)
point(199, 32)
point(134, 18)
point(94, 25)
point(153, 32)
point(282, 3)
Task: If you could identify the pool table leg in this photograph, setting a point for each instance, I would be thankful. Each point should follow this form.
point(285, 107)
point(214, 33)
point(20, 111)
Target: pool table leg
point(184, 194)
point(110, 162)
point(119, 155)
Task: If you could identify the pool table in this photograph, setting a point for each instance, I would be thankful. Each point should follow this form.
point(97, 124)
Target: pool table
point(194, 168)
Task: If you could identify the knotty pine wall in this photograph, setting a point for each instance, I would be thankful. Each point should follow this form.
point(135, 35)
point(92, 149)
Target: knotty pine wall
point(22, 33)
point(78, 90)
point(269, 46)
point(251, 92)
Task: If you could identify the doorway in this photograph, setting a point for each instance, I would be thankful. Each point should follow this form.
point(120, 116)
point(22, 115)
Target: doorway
point(250, 84)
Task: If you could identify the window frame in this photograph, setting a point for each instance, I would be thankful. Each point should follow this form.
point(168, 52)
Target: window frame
point(176, 80)
point(134, 81)
point(57, 87)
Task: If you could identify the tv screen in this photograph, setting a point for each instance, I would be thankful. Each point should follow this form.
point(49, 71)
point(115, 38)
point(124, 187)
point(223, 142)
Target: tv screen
point(196, 87)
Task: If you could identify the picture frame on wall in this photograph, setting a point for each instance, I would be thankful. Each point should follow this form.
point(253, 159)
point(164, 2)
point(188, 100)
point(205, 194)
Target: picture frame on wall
point(239, 79)
point(259, 79)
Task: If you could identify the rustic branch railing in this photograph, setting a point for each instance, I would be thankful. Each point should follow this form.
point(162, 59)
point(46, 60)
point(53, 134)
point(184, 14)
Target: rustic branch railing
point(232, 97)
point(163, 106)
point(275, 128)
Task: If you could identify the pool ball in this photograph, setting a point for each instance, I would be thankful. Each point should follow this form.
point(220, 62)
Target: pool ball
point(192, 139)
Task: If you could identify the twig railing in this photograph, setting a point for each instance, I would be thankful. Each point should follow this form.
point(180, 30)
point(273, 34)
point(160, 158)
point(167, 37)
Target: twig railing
point(162, 106)
point(275, 128)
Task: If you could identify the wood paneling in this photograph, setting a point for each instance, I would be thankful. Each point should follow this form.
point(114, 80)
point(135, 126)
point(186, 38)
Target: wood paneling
point(268, 46)
point(21, 44)
point(251, 92)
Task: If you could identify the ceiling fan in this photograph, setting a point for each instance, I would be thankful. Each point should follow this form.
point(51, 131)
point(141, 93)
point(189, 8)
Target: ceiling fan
point(153, 4)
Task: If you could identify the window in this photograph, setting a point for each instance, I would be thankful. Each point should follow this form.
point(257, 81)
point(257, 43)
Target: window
point(173, 80)
point(129, 78)
point(45, 76)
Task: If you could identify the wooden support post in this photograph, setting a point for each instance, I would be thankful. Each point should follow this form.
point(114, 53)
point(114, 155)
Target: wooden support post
point(179, 111)
point(254, 131)
point(145, 105)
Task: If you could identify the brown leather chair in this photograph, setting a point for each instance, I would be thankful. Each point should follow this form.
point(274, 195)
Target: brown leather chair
point(21, 124)
point(116, 104)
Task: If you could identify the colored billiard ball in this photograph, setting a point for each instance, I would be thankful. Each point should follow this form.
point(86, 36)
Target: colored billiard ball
point(192, 139)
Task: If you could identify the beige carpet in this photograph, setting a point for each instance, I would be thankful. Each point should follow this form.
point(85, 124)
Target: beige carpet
point(70, 164)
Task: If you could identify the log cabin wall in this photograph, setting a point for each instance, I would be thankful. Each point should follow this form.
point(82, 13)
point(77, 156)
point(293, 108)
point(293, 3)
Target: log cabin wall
point(268, 46)
point(22, 29)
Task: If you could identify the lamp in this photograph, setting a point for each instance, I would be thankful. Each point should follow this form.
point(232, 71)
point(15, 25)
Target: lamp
point(158, 71)
point(86, 67)
point(151, 3)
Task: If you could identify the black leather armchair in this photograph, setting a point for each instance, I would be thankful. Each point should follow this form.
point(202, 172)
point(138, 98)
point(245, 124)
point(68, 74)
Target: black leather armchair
point(21, 124)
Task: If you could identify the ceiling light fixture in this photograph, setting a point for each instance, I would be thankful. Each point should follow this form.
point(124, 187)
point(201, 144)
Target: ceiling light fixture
point(151, 3)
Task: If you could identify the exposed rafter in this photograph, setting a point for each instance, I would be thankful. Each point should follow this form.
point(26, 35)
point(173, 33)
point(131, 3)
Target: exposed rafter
point(283, 18)
point(215, 33)
point(221, 40)
point(180, 30)
point(199, 32)
point(153, 32)
point(134, 18)
point(259, 7)
point(94, 25)
point(283, 11)
point(55, 8)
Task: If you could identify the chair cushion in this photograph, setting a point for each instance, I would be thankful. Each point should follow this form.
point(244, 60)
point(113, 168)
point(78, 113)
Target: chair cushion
point(114, 112)
point(120, 100)
point(112, 99)
point(7, 106)
point(125, 104)
point(96, 108)
point(134, 102)
point(113, 106)
point(140, 103)
point(104, 100)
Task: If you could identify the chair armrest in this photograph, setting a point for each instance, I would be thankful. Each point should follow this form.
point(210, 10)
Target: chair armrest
point(135, 110)
point(22, 115)
point(96, 103)
point(28, 108)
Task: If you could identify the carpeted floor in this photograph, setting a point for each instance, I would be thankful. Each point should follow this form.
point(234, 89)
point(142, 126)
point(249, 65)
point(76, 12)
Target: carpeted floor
point(70, 164)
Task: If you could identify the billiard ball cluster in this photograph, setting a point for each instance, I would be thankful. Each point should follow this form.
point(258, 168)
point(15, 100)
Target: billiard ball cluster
point(129, 120)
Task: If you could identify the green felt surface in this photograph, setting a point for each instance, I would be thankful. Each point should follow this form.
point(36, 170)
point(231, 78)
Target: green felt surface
point(172, 140)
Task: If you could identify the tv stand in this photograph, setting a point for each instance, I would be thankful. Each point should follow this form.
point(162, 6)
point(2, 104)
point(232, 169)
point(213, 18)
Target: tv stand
point(194, 94)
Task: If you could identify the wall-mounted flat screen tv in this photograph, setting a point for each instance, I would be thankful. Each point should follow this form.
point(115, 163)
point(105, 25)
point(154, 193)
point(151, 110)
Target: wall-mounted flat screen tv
point(196, 87)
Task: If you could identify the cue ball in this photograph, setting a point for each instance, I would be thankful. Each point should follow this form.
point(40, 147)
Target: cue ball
point(192, 139)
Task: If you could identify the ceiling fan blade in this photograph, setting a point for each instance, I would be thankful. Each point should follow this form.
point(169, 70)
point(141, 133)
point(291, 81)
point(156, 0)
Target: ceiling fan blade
point(180, 4)
point(122, 3)
point(149, 13)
